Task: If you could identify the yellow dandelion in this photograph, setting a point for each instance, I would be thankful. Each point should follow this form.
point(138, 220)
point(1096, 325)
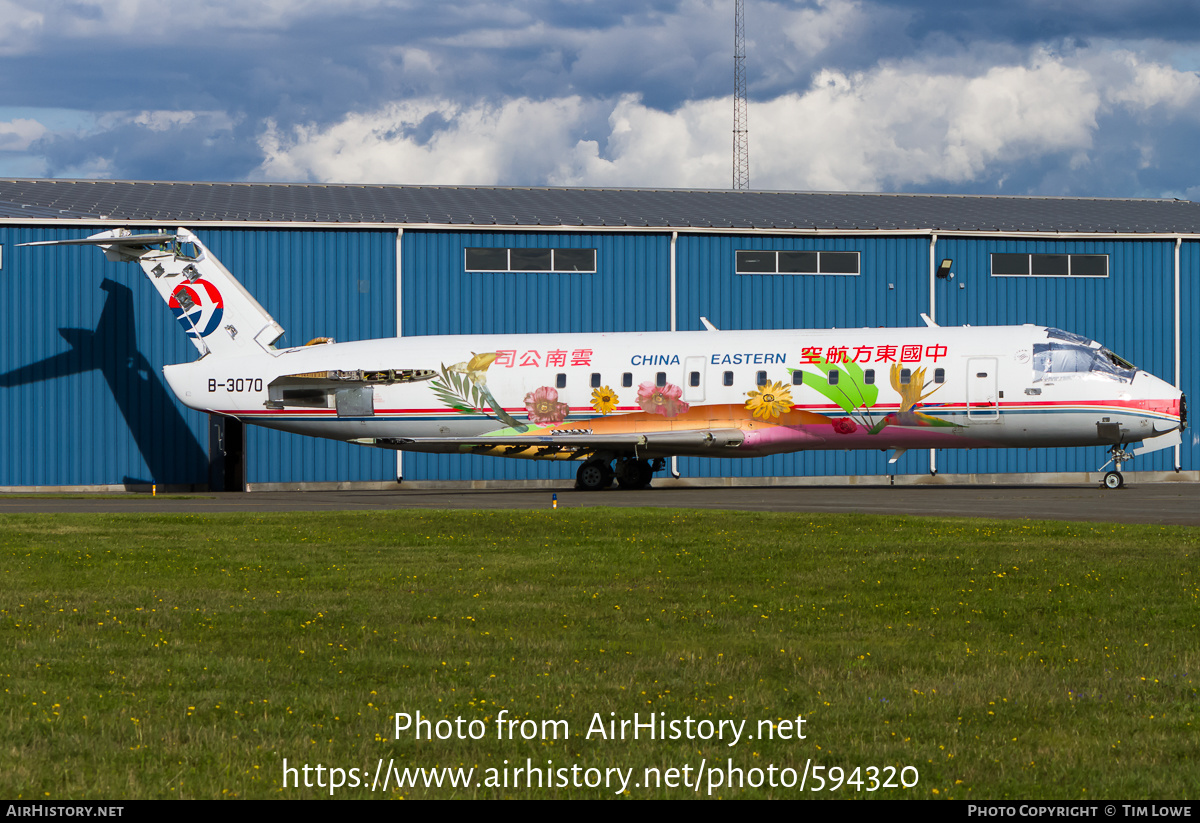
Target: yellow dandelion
point(604, 400)
point(771, 400)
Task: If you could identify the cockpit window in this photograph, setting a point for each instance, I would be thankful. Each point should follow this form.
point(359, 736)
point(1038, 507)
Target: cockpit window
point(1069, 337)
point(1117, 367)
point(1056, 361)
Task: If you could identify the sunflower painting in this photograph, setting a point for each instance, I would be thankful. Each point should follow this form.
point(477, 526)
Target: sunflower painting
point(604, 400)
point(771, 400)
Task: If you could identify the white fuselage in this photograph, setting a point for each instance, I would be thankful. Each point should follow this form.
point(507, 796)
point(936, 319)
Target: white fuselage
point(979, 387)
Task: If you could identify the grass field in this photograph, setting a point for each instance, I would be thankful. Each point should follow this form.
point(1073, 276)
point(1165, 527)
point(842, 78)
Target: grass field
point(162, 656)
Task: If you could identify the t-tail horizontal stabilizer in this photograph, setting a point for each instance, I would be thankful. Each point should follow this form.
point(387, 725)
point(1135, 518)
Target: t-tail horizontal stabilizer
point(215, 310)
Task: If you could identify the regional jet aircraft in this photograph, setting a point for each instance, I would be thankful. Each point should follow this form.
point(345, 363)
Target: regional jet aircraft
point(621, 403)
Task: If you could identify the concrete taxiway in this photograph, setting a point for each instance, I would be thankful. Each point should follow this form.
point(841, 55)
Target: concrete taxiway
point(1160, 503)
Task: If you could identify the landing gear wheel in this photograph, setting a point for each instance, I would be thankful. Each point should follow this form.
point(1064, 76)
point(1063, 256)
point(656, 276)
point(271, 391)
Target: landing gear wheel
point(593, 476)
point(1114, 480)
point(634, 474)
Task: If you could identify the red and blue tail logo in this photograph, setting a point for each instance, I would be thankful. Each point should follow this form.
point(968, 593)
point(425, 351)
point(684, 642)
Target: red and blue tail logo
point(198, 307)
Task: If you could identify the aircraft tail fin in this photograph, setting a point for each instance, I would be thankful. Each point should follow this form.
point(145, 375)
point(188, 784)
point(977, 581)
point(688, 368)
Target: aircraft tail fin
point(217, 313)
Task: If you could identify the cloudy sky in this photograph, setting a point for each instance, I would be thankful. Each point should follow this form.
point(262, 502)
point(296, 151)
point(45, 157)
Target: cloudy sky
point(1051, 97)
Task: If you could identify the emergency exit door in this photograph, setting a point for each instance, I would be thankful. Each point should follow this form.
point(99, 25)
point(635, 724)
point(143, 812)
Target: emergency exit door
point(983, 396)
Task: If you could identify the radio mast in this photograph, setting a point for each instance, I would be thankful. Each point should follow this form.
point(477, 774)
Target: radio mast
point(741, 135)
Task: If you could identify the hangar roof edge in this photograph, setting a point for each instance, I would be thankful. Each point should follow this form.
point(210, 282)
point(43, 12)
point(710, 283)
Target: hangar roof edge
point(359, 204)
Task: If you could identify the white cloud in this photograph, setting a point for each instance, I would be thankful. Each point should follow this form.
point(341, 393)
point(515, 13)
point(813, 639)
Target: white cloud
point(19, 22)
point(16, 135)
point(1151, 84)
point(894, 127)
point(170, 120)
point(482, 144)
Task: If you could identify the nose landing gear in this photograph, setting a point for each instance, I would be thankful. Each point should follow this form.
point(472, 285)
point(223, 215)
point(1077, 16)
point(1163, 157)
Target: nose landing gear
point(1114, 479)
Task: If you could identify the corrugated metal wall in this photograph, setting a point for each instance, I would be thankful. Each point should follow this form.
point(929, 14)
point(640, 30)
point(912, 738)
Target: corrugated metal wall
point(315, 283)
point(630, 291)
point(1189, 370)
point(81, 389)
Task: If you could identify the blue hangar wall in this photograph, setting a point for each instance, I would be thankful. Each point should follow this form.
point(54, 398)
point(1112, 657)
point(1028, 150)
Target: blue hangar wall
point(84, 340)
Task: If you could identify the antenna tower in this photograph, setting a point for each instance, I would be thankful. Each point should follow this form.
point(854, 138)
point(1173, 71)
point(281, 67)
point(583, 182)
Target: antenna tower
point(741, 126)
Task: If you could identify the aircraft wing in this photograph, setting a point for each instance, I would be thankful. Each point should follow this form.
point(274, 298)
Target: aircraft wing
point(568, 444)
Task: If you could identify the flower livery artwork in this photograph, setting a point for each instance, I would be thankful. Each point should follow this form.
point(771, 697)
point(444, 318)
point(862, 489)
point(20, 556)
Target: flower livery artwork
point(910, 399)
point(604, 400)
point(844, 425)
point(664, 400)
point(771, 400)
point(857, 398)
point(463, 387)
point(544, 408)
point(852, 393)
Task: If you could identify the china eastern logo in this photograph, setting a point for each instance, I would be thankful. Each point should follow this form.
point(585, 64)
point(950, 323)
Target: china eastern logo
point(198, 307)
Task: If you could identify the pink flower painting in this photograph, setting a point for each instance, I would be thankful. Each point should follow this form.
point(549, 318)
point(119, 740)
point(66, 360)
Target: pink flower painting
point(544, 408)
point(844, 425)
point(662, 400)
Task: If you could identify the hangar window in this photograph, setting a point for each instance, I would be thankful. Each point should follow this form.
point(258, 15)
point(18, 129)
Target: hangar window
point(531, 260)
point(1050, 265)
point(797, 262)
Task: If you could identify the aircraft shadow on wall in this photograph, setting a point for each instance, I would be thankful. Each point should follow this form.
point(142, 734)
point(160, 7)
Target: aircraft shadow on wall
point(167, 444)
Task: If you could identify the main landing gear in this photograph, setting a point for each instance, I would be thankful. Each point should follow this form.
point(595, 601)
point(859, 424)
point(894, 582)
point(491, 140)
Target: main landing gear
point(1114, 479)
point(597, 473)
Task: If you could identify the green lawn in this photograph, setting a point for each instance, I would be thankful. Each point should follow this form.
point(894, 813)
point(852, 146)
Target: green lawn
point(151, 656)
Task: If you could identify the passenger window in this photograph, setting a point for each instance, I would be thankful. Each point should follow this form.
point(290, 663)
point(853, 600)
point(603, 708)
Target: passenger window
point(939, 376)
point(694, 379)
point(869, 377)
point(728, 380)
point(627, 380)
point(833, 377)
point(905, 376)
point(595, 380)
point(561, 381)
point(660, 379)
point(797, 378)
point(761, 378)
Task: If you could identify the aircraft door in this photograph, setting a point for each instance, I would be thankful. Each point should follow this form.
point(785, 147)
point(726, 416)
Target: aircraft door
point(983, 397)
point(693, 379)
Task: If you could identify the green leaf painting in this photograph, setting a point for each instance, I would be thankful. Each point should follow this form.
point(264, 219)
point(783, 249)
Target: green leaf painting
point(850, 392)
point(457, 392)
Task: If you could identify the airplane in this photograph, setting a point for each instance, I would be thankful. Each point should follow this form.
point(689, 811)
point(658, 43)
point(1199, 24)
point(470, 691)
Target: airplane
point(621, 403)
